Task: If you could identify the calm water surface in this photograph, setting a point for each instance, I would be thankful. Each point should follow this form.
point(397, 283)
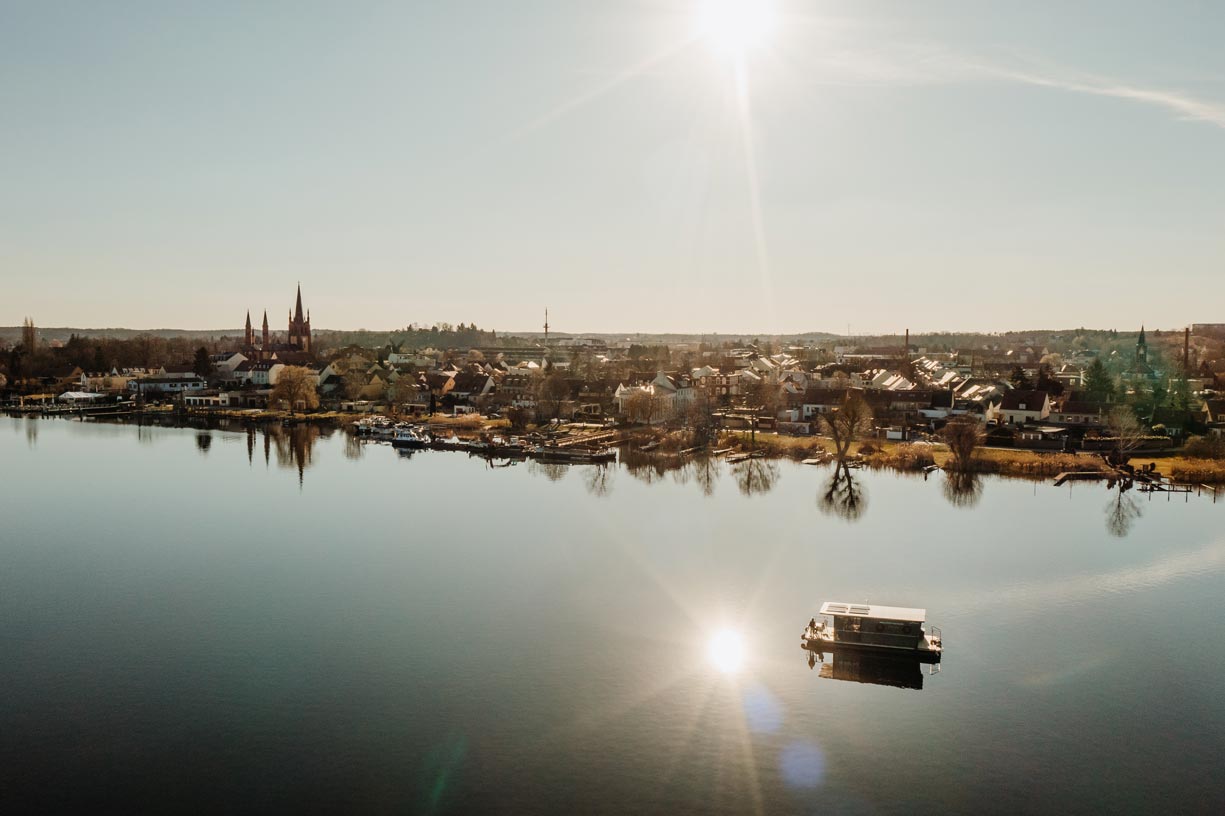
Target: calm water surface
point(230, 622)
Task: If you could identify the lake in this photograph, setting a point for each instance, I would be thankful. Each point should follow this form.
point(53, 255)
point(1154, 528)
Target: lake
point(249, 622)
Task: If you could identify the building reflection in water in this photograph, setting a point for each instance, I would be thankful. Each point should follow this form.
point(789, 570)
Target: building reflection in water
point(32, 432)
point(874, 668)
point(843, 496)
point(292, 446)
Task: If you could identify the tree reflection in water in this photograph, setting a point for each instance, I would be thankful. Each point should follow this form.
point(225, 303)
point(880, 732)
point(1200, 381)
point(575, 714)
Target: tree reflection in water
point(962, 488)
point(598, 479)
point(204, 441)
point(553, 471)
point(843, 496)
point(646, 467)
point(755, 476)
point(706, 473)
point(353, 446)
point(1122, 511)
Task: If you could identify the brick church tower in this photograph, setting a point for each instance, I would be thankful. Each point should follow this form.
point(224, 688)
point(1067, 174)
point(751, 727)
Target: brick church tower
point(299, 326)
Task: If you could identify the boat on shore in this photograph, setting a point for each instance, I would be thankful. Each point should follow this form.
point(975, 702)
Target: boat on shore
point(875, 628)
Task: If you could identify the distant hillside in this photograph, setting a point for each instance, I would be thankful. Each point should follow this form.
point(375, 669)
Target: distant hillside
point(12, 334)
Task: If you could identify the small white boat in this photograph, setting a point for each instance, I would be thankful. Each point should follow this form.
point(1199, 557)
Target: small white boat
point(872, 627)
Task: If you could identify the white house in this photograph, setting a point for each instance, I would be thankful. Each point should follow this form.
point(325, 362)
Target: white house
point(260, 373)
point(1021, 407)
point(226, 362)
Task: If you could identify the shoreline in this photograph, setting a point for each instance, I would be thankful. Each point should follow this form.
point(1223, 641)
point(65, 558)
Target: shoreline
point(905, 457)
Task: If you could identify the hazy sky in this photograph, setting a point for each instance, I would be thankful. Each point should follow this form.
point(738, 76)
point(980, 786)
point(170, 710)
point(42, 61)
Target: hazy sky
point(932, 165)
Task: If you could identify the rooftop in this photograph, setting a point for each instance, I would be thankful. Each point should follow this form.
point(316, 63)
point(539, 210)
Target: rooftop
point(896, 613)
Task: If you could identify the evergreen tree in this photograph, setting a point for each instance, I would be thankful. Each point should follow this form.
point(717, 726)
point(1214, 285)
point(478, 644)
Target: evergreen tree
point(202, 364)
point(1098, 382)
point(1019, 380)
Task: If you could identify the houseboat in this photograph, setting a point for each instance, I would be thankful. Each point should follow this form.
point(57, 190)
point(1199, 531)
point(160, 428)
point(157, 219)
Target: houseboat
point(886, 629)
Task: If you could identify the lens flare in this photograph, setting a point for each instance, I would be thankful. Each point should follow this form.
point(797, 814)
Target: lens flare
point(726, 651)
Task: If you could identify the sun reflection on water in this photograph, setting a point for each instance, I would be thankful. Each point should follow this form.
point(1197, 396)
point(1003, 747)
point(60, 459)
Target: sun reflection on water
point(726, 651)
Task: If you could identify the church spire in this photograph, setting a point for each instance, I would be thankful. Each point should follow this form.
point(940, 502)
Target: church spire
point(297, 316)
point(265, 328)
point(248, 335)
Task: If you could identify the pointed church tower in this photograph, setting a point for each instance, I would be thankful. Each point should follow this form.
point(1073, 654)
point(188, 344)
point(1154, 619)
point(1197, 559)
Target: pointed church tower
point(266, 338)
point(299, 326)
point(248, 337)
point(1142, 347)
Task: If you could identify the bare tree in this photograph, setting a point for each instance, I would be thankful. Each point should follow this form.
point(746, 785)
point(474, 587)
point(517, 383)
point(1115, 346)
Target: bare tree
point(403, 390)
point(553, 391)
point(1127, 431)
point(355, 382)
point(295, 388)
point(964, 435)
point(847, 423)
point(518, 417)
point(700, 417)
point(640, 407)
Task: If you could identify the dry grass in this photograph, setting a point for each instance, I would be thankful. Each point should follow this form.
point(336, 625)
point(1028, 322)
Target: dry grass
point(1035, 464)
point(1196, 471)
point(783, 447)
point(905, 456)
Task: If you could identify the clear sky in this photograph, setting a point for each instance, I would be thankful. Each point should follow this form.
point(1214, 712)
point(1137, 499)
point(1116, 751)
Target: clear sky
point(931, 165)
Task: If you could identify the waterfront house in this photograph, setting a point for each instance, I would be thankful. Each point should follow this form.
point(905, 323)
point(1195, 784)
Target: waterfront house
point(1022, 407)
point(261, 373)
point(1082, 413)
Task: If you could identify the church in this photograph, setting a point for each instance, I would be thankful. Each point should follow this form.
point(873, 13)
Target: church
point(297, 338)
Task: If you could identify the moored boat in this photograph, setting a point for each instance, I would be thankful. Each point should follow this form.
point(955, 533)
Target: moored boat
point(410, 437)
point(893, 629)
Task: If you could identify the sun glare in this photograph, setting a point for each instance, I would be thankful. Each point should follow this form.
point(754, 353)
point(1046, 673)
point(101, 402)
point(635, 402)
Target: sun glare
point(726, 651)
point(735, 26)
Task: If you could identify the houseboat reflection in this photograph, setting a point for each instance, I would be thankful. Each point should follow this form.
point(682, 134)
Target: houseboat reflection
point(899, 671)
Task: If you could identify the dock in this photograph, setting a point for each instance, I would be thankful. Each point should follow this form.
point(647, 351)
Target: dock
point(1081, 476)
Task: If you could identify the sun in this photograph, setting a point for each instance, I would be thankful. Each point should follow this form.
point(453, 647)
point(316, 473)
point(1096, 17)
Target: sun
point(735, 26)
point(726, 651)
